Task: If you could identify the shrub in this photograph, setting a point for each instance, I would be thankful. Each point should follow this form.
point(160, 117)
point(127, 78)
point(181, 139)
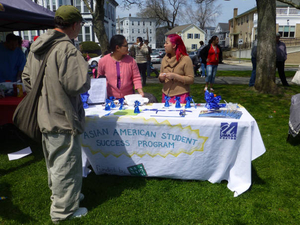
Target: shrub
point(90, 47)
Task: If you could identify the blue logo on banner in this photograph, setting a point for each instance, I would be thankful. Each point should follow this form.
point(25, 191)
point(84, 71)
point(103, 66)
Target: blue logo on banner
point(228, 131)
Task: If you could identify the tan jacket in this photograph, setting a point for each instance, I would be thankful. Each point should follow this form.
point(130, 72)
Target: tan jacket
point(141, 54)
point(183, 67)
point(60, 107)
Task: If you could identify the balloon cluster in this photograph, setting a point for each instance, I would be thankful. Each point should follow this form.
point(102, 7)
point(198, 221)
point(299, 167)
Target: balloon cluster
point(212, 101)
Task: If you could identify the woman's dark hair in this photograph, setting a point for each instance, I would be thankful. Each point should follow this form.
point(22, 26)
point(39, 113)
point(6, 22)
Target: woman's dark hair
point(60, 23)
point(140, 40)
point(116, 40)
point(213, 38)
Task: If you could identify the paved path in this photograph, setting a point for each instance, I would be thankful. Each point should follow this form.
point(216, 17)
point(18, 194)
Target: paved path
point(229, 65)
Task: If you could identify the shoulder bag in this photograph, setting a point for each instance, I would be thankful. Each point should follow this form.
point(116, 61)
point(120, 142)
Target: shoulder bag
point(25, 115)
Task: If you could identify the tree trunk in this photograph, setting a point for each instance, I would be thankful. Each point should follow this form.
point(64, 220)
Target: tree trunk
point(266, 47)
point(98, 22)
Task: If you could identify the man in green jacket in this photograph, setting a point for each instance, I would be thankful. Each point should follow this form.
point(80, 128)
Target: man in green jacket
point(60, 112)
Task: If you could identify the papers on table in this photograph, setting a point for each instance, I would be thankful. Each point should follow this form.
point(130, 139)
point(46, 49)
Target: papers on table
point(235, 114)
point(19, 154)
point(97, 91)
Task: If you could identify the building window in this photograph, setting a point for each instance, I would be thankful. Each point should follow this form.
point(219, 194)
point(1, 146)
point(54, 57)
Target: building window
point(150, 23)
point(190, 36)
point(144, 30)
point(78, 5)
point(132, 39)
point(108, 11)
point(143, 23)
point(294, 11)
point(138, 31)
point(80, 36)
point(150, 39)
point(287, 31)
point(121, 31)
point(26, 35)
point(194, 46)
point(132, 23)
point(127, 22)
point(127, 31)
point(133, 31)
point(85, 9)
point(281, 11)
point(196, 36)
point(87, 33)
point(138, 23)
point(54, 6)
point(113, 14)
point(150, 31)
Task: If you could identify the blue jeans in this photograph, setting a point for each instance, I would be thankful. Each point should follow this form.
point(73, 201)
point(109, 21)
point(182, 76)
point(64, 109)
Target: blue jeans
point(202, 68)
point(211, 71)
point(253, 74)
point(148, 68)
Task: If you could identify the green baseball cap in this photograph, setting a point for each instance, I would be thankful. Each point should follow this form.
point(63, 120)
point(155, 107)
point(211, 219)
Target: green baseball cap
point(69, 14)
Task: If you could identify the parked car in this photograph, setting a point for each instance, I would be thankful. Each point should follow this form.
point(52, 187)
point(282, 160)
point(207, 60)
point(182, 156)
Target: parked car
point(193, 54)
point(161, 51)
point(94, 61)
point(155, 57)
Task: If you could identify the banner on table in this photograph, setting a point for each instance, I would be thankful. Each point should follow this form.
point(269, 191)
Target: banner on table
point(140, 137)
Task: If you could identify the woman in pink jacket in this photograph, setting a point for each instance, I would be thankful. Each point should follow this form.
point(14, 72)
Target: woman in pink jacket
point(120, 70)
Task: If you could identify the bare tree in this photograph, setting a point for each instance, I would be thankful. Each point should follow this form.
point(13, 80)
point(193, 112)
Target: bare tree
point(166, 11)
point(98, 19)
point(266, 45)
point(98, 22)
point(204, 14)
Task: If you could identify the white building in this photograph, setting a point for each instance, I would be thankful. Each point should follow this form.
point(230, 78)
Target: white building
point(87, 33)
point(190, 34)
point(133, 27)
point(222, 31)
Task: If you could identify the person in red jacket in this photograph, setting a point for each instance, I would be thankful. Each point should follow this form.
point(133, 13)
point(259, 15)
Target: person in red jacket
point(212, 56)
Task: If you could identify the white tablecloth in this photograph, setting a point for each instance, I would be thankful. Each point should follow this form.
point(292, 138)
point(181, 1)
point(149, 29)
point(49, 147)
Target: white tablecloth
point(163, 144)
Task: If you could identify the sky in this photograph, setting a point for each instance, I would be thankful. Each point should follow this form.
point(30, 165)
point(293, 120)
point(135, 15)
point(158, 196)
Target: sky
point(226, 8)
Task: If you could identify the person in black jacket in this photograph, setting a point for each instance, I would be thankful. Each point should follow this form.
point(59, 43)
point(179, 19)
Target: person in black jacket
point(212, 56)
point(203, 65)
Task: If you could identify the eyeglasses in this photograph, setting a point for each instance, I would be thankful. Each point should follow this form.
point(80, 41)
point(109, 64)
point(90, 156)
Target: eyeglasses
point(125, 45)
point(82, 23)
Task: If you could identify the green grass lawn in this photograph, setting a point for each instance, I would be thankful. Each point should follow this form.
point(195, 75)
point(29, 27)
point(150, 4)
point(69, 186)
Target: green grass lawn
point(272, 199)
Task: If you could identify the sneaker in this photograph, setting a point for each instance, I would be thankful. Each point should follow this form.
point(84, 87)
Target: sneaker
point(81, 197)
point(205, 89)
point(79, 213)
